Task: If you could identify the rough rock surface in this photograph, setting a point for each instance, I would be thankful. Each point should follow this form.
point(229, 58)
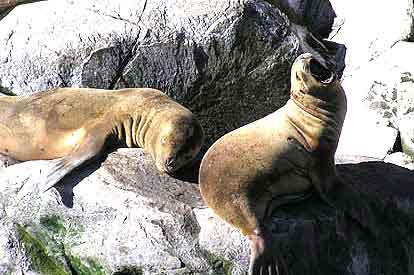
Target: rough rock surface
point(318, 16)
point(228, 61)
point(126, 217)
point(401, 159)
point(377, 75)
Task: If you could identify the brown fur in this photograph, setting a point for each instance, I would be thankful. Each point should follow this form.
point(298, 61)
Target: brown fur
point(281, 156)
point(75, 124)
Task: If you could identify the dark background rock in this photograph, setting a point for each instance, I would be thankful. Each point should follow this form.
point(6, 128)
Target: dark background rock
point(314, 239)
point(317, 15)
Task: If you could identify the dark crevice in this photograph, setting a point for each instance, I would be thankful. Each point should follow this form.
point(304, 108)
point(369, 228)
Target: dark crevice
point(397, 147)
point(69, 263)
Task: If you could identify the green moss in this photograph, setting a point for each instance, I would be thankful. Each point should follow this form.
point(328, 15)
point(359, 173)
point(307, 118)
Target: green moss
point(39, 256)
point(129, 271)
point(6, 91)
point(220, 265)
point(86, 267)
point(44, 246)
point(53, 224)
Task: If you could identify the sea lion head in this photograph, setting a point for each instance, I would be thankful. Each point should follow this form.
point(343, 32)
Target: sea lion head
point(178, 144)
point(311, 76)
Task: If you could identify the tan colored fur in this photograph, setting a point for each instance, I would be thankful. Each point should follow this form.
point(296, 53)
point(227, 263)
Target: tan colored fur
point(63, 121)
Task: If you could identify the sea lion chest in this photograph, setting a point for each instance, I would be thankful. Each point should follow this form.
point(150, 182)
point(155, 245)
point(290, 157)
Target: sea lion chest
point(266, 154)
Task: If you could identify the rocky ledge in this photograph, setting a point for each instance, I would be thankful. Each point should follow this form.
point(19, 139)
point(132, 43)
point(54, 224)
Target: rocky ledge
point(122, 217)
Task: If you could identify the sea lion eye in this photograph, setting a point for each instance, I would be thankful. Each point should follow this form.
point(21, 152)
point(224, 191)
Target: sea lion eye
point(163, 140)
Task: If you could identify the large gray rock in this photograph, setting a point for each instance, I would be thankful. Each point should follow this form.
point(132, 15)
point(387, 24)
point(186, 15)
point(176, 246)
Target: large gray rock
point(387, 83)
point(228, 61)
point(126, 217)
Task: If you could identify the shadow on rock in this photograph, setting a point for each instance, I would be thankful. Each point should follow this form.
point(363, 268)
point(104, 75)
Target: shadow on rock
point(315, 238)
point(68, 182)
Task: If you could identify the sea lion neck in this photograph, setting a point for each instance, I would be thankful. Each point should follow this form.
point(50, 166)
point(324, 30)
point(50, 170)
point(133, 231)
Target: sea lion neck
point(134, 128)
point(314, 106)
point(317, 121)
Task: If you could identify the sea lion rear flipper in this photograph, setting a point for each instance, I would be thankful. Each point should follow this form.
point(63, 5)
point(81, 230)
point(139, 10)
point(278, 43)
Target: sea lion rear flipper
point(346, 198)
point(264, 257)
point(90, 148)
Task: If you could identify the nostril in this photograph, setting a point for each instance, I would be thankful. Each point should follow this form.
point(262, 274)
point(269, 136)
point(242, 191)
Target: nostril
point(170, 161)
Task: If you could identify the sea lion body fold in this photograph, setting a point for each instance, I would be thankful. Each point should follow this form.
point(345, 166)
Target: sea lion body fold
point(78, 123)
point(276, 159)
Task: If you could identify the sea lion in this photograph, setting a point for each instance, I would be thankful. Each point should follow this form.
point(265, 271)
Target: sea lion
point(73, 125)
point(6, 6)
point(277, 159)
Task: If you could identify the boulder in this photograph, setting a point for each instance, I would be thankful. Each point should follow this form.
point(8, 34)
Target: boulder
point(376, 63)
point(122, 217)
point(387, 85)
point(228, 61)
point(400, 159)
point(318, 16)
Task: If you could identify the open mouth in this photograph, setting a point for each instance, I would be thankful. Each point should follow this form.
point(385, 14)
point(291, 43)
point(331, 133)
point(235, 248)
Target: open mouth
point(321, 73)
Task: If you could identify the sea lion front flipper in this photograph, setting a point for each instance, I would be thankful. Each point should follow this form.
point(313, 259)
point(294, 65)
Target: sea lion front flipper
point(91, 146)
point(7, 161)
point(264, 256)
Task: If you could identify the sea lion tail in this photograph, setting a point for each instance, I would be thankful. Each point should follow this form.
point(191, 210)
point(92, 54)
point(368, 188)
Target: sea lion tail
point(264, 256)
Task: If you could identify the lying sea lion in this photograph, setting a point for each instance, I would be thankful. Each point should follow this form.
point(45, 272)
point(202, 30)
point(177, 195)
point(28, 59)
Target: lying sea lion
point(277, 159)
point(73, 125)
point(6, 6)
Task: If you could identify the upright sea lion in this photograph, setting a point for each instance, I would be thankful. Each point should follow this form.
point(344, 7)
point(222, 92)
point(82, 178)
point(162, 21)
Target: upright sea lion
point(76, 124)
point(277, 159)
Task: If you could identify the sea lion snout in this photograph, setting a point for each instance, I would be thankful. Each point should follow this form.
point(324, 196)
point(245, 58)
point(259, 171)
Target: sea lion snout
point(179, 145)
point(307, 64)
point(170, 164)
point(320, 72)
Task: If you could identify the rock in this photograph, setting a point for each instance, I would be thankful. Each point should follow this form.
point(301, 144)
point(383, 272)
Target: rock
point(386, 89)
point(318, 16)
point(369, 35)
point(228, 61)
point(363, 136)
point(400, 159)
point(123, 215)
point(376, 62)
point(346, 159)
